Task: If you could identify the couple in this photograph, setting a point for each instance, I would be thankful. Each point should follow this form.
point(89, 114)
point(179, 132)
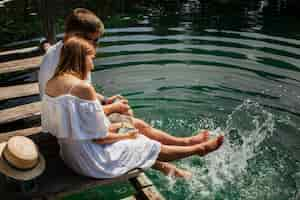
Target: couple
point(73, 112)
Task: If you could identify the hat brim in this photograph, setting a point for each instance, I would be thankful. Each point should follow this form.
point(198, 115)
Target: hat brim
point(19, 174)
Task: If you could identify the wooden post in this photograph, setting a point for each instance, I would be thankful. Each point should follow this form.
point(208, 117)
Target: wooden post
point(122, 6)
point(145, 188)
point(47, 13)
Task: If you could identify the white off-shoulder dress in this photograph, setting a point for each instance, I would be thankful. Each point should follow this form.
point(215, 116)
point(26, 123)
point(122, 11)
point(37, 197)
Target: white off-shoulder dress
point(76, 122)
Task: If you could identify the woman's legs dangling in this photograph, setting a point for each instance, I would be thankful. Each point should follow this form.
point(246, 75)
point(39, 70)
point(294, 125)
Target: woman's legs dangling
point(171, 153)
point(167, 139)
point(171, 170)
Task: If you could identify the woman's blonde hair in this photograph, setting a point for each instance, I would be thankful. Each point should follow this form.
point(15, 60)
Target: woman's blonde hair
point(73, 57)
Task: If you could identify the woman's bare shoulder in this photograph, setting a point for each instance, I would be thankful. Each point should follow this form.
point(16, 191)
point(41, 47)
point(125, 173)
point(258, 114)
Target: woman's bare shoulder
point(53, 87)
point(85, 91)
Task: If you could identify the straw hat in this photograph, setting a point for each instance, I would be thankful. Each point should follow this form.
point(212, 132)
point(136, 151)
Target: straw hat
point(20, 159)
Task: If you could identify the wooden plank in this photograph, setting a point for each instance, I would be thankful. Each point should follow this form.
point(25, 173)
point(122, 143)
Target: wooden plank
point(129, 198)
point(145, 188)
point(20, 65)
point(19, 51)
point(23, 132)
point(17, 54)
point(79, 185)
point(141, 181)
point(20, 112)
point(11, 92)
point(151, 193)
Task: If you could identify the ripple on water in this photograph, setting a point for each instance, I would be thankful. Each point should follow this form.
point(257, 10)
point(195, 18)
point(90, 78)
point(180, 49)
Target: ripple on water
point(248, 165)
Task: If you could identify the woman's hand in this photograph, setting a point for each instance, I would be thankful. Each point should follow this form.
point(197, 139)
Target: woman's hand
point(115, 127)
point(132, 134)
point(115, 137)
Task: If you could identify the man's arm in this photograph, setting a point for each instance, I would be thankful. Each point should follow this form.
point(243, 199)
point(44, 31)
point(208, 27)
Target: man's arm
point(109, 100)
point(101, 98)
point(121, 107)
point(109, 106)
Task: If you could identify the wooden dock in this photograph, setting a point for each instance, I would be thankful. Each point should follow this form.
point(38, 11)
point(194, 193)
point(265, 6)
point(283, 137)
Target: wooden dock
point(20, 65)
point(57, 180)
point(18, 91)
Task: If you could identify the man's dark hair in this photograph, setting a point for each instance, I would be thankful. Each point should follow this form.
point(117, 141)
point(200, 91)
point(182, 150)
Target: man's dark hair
point(83, 21)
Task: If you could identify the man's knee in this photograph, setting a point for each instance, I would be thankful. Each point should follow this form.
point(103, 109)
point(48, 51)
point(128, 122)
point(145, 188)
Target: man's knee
point(140, 124)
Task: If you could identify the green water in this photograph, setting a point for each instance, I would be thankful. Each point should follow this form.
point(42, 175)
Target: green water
point(226, 71)
point(181, 76)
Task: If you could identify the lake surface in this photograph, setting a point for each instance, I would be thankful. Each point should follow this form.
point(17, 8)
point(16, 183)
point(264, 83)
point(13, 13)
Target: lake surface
point(182, 75)
point(231, 72)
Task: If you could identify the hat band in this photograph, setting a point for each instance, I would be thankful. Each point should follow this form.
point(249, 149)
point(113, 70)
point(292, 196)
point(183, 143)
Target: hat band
point(15, 167)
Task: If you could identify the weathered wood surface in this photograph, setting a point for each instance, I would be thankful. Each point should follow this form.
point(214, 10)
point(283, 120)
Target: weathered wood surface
point(19, 51)
point(19, 54)
point(20, 65)
point(20, 112)
point(24, 132)
point(130, 198)
point(141, 181)
point(11, 92)
point(151, 193)
point(58, 180)
point(69, 183)
point(146, 189)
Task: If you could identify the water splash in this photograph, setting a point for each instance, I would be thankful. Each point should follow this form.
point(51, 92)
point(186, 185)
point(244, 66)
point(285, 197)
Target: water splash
point(246, 166)
point(246, 128)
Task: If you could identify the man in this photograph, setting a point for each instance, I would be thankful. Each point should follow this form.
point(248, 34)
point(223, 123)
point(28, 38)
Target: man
point(86, 24)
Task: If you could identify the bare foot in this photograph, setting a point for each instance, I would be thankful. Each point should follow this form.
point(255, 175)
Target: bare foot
point(171, 170)
point(202, 136)
point(181, 173)
point(210, 145)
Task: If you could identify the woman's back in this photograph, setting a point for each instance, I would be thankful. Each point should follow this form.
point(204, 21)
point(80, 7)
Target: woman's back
point(70, 111)
point(68, 84)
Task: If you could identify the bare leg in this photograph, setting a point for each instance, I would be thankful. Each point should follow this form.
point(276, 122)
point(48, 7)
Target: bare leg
point(171, 170)
point(170, 153)
point(166, 138)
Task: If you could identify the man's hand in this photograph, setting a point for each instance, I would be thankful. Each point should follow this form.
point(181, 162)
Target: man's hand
point(117, 104)
point(111, 99)
point(121, 107)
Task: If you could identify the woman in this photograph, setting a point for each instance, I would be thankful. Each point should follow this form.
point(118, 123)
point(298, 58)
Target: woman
point(89, 143)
